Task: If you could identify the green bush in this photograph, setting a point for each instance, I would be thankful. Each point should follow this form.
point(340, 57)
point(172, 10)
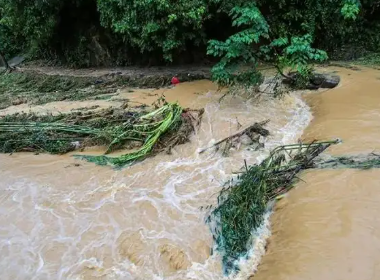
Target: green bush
point(238, 50)
point(109, 32)
point(164, 26)
point(259, 23)
point(32, 22)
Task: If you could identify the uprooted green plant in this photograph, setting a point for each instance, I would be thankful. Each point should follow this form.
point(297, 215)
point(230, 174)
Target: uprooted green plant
point(243, 202)
point(61, 133)
point(55, 138)
point(150, 128)
point(161, 129)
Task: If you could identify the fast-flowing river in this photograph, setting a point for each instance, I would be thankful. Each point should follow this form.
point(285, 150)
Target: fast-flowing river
point(329, 226)
point(62, 218)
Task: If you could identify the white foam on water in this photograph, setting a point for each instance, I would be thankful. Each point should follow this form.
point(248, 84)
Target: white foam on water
point(84, 230)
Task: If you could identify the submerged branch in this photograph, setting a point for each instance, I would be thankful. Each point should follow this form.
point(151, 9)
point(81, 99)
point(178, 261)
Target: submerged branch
point(256, 128)
point(354, 162)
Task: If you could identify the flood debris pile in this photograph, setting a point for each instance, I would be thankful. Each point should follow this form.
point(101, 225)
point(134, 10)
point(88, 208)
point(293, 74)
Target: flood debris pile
point(148, 132)
point(159, 130)
point(23, 87)
point(55, 138)
point(244, 201)
point(61, 133)
point(246, 136)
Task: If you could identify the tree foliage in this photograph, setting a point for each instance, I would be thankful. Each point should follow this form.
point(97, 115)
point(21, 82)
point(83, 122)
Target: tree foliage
point(157, 25)
point(298, 54)
point(294, 23)
point(100, 32)
point(31, 22)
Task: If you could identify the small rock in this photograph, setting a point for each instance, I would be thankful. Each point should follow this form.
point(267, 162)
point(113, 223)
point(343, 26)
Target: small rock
point(318, 80)
point(246, 140)
point(76, 144)
point(325, 80)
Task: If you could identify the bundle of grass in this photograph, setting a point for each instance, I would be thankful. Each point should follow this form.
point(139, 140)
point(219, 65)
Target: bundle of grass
point(363, 162)
point(150, 129)
point(243, 202)
point(153, 132)
point(55, 138)
point(62, 133)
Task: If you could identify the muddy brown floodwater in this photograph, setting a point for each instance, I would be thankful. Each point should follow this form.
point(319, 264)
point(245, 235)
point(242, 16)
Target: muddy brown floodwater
point(329, 226)
point(62, 218)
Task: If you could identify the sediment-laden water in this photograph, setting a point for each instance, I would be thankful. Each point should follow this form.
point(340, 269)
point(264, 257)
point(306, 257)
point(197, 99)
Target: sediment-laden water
point(329, 227)
point(62, 218)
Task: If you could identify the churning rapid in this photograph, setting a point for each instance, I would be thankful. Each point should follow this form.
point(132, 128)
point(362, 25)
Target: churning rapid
point(63, 218)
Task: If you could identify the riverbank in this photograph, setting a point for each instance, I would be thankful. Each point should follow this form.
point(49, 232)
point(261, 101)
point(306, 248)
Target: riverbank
point(41, 85)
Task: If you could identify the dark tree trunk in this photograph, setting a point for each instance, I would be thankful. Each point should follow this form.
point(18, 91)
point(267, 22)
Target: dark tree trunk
point(2, 57)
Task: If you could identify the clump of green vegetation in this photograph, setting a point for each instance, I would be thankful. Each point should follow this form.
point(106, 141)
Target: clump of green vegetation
point(243, 202)
point(297, 55)
point(372, 59)
point(149, 129)
point(33, 88)
point(62, 133)
point(152, 132)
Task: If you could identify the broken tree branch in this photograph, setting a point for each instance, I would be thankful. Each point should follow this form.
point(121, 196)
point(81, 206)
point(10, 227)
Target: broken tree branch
point(256, 128)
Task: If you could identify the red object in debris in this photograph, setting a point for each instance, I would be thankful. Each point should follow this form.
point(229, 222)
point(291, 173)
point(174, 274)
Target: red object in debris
point(175, 81)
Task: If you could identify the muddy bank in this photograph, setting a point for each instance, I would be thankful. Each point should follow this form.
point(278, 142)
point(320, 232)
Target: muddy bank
point(186, 93)
point(43, 85)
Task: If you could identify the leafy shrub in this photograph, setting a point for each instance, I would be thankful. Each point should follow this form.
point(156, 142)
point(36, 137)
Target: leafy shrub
point(253, 40)
point(163, 26)
point(297, 54)
point(238, 49)
point(101, 32)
